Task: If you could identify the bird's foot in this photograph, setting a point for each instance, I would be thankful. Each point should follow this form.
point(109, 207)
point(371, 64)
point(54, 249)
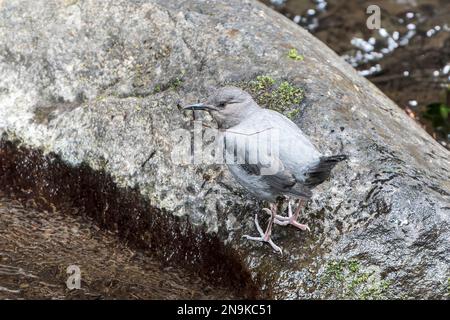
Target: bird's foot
point(291, 219)
point(264, 237)
point(293, 222)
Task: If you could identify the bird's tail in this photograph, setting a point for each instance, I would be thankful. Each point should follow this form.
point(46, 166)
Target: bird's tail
point(319, 173)
point(326, 164)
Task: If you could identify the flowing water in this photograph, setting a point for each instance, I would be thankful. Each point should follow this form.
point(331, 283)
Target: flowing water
point(39, 245)
point(408, 58)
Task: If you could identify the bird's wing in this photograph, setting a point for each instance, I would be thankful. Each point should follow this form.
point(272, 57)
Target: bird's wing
point(279, 179)
point(257, 151)
point(295, 148)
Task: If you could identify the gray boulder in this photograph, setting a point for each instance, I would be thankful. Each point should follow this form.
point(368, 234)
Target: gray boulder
point(98, 82)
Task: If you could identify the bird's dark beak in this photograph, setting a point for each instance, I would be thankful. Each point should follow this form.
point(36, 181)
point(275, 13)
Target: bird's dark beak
point(200, 106)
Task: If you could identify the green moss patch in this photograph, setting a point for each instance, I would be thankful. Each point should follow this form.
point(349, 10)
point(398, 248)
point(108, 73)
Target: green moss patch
point(173, 84)
point(294, 55)
point(348, 280)
point(276, 95)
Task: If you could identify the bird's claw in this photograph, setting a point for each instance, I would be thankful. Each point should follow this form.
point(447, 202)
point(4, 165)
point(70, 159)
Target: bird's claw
point(289, 220)
point(263, 236)
point(303, 227)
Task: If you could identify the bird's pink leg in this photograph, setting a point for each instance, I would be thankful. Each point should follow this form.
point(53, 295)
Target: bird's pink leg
point(273, 210)
point(292, 218)
point(265, 236)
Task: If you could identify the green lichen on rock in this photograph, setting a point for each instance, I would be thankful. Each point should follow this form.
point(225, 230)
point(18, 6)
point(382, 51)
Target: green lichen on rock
point(348, 280)
point(294, 55)
point(263, 82)
point(174, 84)
point(157, 89)
point(281, 96)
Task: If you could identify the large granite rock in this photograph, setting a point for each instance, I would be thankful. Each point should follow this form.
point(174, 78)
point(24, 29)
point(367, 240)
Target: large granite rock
point(99, 81)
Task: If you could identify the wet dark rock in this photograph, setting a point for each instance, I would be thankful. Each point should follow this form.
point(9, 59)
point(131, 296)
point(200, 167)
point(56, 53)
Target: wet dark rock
point(97, 84)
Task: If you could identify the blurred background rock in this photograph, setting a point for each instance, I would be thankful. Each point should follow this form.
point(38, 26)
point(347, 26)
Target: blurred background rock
point(408, 58)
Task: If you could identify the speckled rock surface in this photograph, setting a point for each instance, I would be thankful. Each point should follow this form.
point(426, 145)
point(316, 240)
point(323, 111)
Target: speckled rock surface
point(99, 82)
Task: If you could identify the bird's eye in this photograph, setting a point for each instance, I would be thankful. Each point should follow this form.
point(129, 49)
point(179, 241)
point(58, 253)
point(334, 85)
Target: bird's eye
point(221, 105)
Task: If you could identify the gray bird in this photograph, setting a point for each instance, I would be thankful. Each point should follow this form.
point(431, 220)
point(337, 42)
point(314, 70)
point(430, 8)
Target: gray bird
point(270, 156)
